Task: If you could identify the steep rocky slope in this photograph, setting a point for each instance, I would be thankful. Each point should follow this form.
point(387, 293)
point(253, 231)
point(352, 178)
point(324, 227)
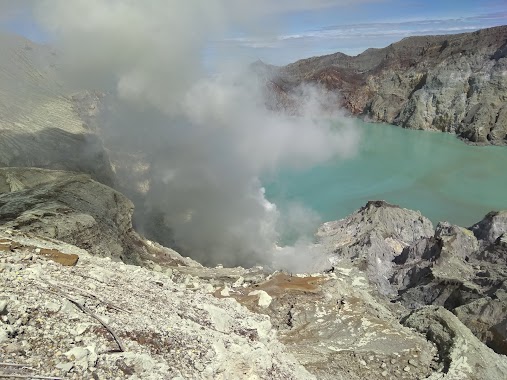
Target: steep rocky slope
point(378, 311)
point(41, 124)
point(450, 83)
point(53, 320)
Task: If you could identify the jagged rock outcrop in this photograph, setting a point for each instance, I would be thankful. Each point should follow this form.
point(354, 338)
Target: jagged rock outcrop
point(460, 269)
point(489, 229)
point(78, 210)
point(436, 270)
point(450, 83)
point(373, 236)
point(465, 275)
point(461, 354)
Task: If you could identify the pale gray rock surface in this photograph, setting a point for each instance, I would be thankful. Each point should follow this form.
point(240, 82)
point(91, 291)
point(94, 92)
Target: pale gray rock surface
point(373, 236)
point(168, 329)
point(336, 328)
point(489, 229)
point(461, 355)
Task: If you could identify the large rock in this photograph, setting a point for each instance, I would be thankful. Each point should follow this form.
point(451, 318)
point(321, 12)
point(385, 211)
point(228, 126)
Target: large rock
point(460, 269)
point(78, 210)
point(489, 229)
point(435, 270)
point(373, 236)
point(451, 270)
point(487, 319)
point(450, 83)
point(461, 355)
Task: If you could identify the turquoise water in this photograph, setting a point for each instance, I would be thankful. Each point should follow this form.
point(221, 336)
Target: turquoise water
point(428, 171)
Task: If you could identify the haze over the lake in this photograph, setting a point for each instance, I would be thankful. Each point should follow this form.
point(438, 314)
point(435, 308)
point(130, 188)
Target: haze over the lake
point(444, 178)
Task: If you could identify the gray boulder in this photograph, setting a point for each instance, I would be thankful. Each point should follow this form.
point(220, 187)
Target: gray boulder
point(373, 236)
point(491, 227)
point(461, 355)
point(487, 319)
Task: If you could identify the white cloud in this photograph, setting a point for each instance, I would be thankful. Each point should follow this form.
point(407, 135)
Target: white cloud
point(352, 39)
point(284, 6)
point(13, 8)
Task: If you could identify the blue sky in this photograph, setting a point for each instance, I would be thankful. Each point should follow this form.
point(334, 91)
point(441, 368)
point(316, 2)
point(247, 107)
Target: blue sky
point(295, 29)
point(352, 29)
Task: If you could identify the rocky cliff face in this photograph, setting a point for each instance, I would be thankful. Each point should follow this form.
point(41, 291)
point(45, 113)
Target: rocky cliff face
point(451, 83)
point(41, 125)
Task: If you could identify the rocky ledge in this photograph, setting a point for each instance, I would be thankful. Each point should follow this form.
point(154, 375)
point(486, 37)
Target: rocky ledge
point(397, 299)
point(451, 83)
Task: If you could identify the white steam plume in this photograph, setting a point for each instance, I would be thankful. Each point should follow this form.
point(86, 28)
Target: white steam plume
point(207, 140)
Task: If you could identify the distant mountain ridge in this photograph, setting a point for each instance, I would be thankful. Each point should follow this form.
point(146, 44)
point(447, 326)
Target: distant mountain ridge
point(452, 83)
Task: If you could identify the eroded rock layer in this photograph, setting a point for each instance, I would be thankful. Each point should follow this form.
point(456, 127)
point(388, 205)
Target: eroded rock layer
point(451, 83)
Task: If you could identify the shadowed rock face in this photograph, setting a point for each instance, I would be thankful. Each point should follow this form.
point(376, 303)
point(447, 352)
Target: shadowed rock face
point(462, 270)
point(41, 125)
point(451, 83)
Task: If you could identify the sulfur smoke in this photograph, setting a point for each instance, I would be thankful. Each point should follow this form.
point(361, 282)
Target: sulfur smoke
point(206, 139)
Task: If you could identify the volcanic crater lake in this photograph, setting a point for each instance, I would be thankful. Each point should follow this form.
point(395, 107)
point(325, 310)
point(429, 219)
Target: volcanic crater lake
point(432, 172)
